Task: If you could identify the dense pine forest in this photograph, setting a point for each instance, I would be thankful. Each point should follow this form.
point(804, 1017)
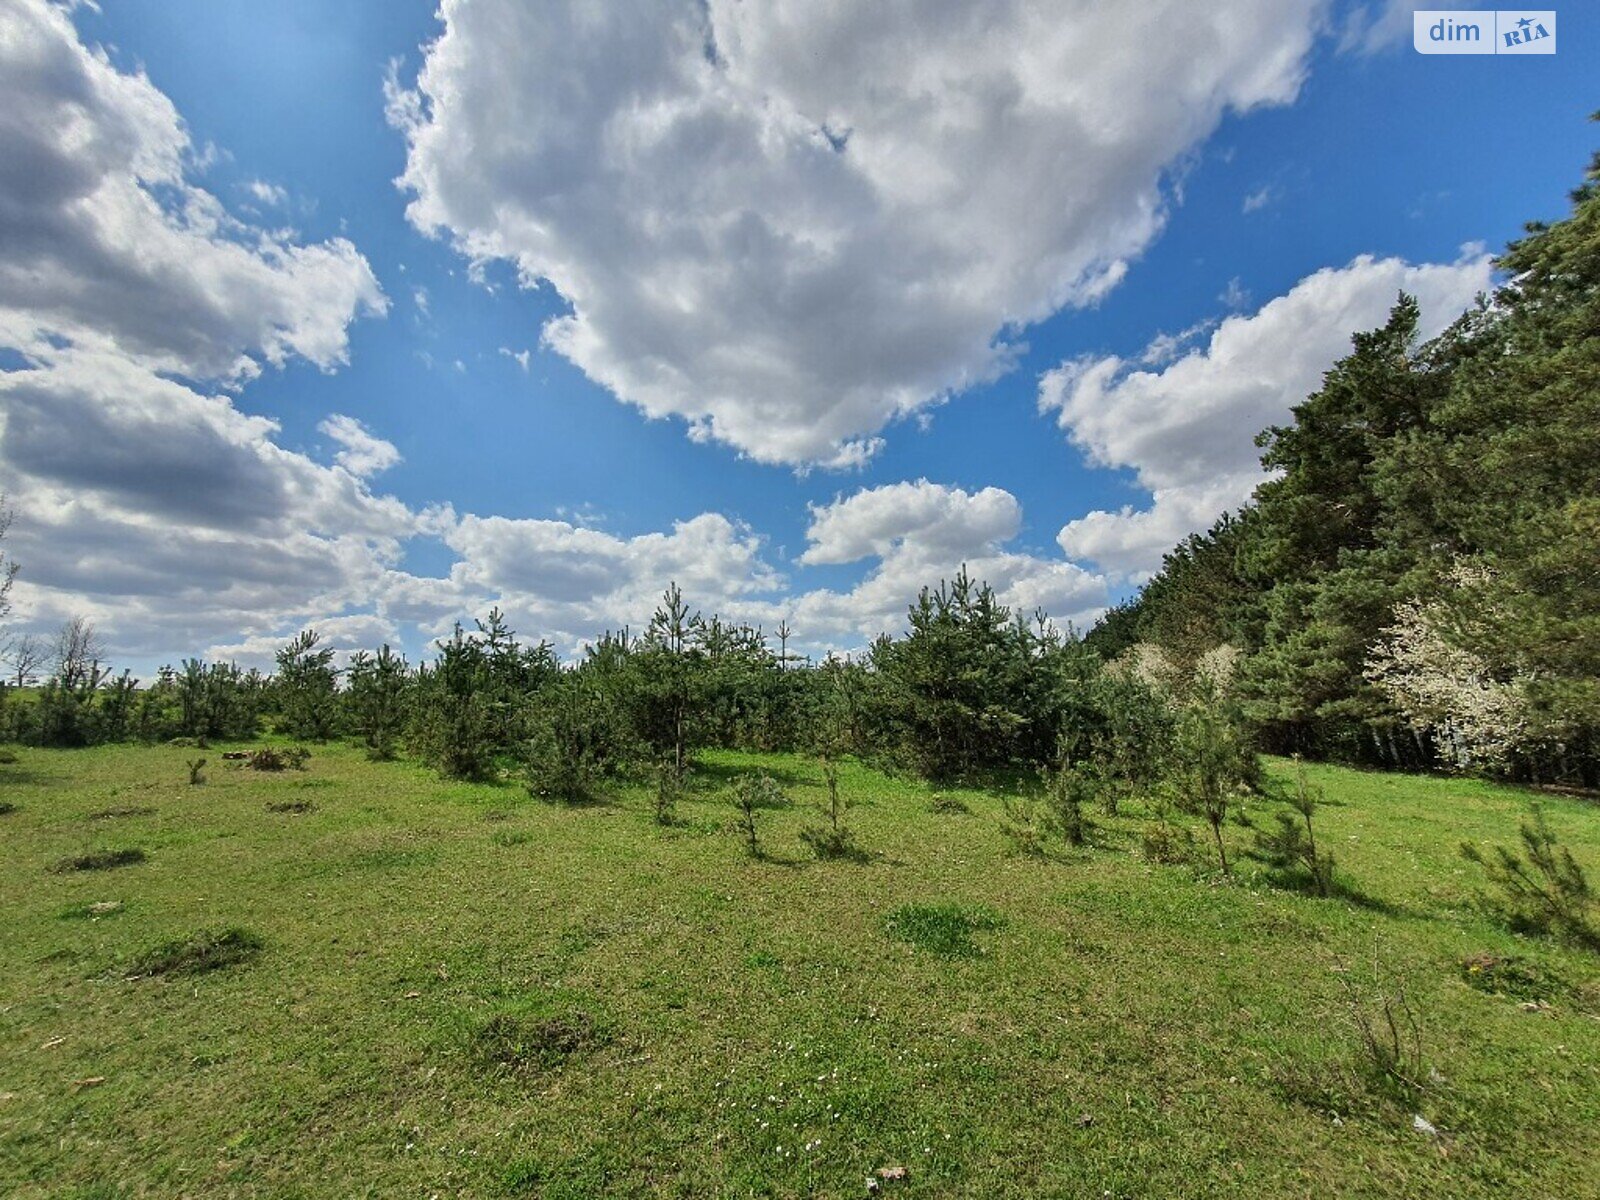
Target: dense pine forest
point(1419, 585)
point(1415, 586)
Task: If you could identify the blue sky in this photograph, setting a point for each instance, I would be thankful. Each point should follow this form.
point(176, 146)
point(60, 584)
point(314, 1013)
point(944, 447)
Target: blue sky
point(1296, 173)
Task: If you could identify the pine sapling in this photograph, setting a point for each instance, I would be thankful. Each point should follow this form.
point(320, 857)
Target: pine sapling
point(1294, 843)
point(1545, 893)
point(753, 791)
point(832, 840)
point(669, 786)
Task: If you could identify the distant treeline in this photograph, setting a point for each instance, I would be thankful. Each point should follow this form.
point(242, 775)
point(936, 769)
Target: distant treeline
point(969, 689)
point(1420, 584)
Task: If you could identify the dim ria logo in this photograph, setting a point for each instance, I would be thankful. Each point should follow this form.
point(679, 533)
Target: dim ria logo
point(1487, 31)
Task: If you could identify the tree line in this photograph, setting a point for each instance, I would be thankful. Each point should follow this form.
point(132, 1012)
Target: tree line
point(1419, 584)
point(969, 690)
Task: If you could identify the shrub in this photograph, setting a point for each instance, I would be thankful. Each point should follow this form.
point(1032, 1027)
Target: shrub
point(268, 758)
point(274, 758)
point(1545, 893)
point(943, 929)
point(1165, 842)
point(1023, 826)
point(1067, 792)
point(208, 950)
point(947, 805)
point(197, 771)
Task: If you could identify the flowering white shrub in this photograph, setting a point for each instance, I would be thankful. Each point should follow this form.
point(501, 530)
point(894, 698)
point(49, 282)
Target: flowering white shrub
point(1475, 711)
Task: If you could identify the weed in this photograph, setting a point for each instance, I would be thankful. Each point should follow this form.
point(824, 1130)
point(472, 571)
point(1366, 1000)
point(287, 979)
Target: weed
point(7, 808)
point(1511, 975)
point(291, 806)
point(390, 858)
point(98, 860)
point(943, 929)
point(523, 1176)
point(1023, 826)
point(92, 911)
point(8, 757)
point(827, 841)
point(1547, 893)
point(273, 758)
point(947, 806)
point(268, 758)
point(534, 1041)
point(1387, 1028)
point(112, 814)
point(209, 950)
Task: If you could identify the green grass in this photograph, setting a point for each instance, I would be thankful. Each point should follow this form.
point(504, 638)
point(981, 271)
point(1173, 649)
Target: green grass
point(945, 929)
point(453, 989)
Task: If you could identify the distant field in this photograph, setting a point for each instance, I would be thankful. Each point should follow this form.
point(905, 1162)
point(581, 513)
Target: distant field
point(459, 991)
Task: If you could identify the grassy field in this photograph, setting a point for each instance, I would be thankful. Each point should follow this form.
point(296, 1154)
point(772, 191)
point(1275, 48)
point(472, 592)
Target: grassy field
point(452, 990)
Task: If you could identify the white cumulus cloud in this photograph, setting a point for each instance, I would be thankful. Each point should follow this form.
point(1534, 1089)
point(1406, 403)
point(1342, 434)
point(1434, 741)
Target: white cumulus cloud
point(922, 533)
point(105, 239)
point(1188, 429)
point(364, 453)
point(790, 223)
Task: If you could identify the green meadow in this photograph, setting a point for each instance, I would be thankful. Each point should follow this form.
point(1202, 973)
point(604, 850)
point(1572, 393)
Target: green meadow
point(354, 980)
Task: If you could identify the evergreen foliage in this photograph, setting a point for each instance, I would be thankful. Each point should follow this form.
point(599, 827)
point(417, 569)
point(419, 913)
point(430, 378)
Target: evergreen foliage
point(305, 688)
point(1415, 586)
